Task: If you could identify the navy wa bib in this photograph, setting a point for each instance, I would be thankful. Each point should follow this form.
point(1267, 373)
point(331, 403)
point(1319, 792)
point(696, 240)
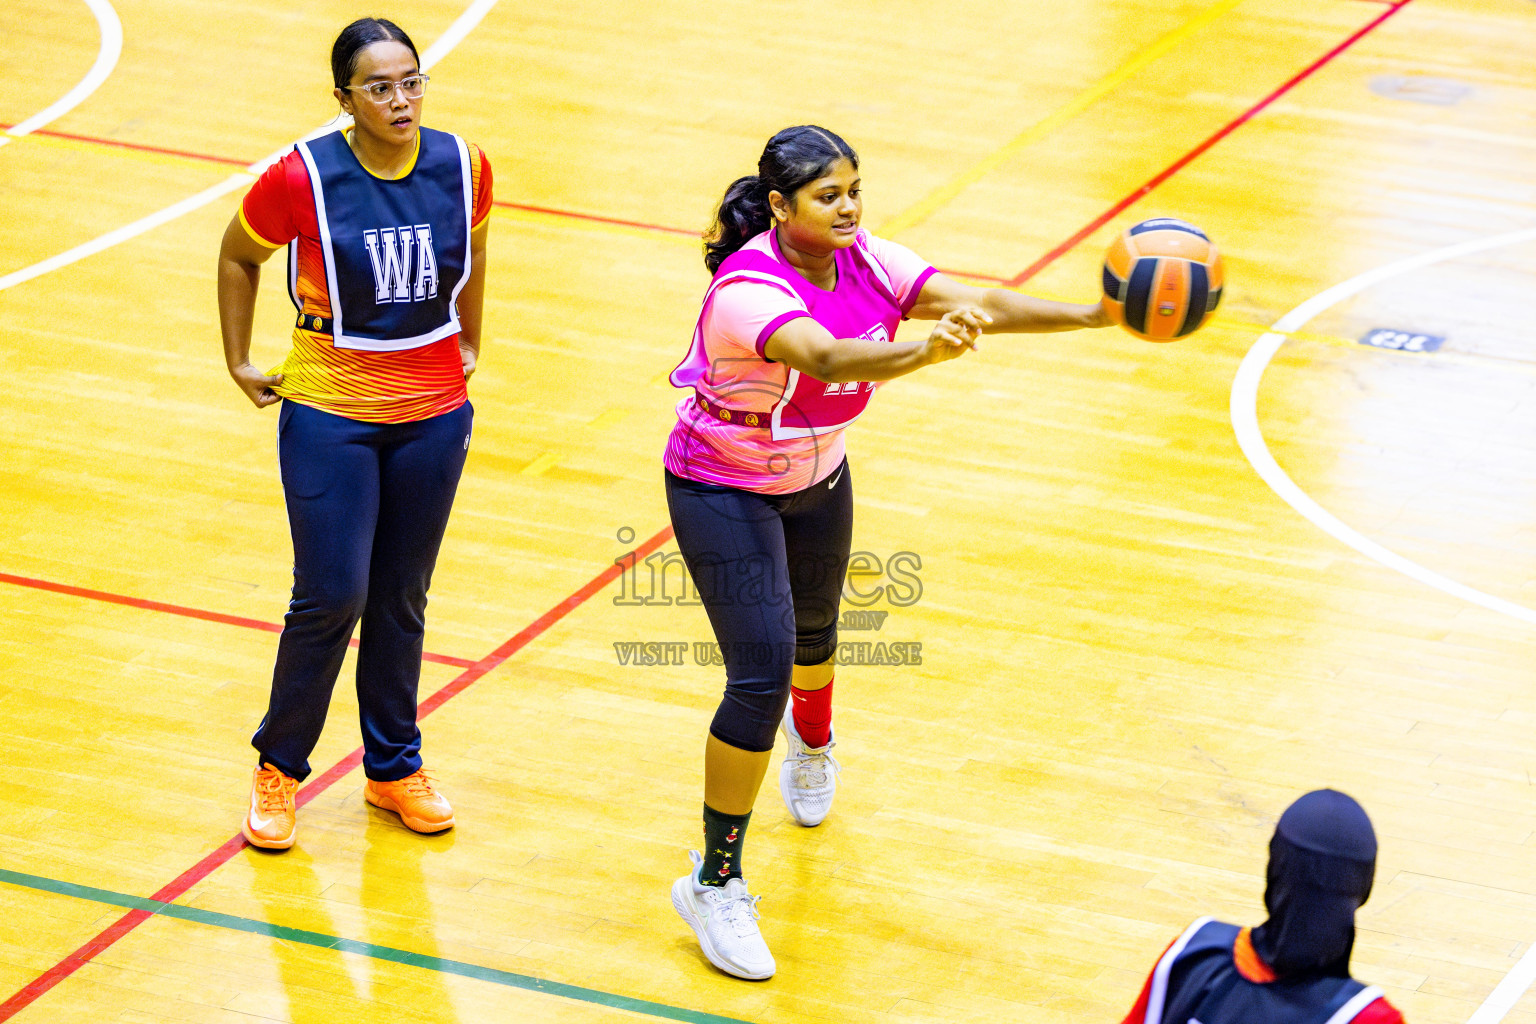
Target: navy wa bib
point(1197, 981)
point(396, 252)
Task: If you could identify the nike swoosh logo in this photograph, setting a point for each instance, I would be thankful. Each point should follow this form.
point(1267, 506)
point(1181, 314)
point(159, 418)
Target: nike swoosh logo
point(257, 824)
point(838, 476)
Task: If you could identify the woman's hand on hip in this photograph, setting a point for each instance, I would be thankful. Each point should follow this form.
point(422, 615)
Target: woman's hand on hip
point(468, 357)
point(256, 385)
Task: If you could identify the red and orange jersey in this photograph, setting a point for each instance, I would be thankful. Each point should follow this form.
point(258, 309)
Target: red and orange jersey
point(1251, 968)
point(376, 387)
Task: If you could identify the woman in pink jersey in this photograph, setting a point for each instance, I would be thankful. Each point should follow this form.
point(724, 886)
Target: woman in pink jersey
point(795, 333)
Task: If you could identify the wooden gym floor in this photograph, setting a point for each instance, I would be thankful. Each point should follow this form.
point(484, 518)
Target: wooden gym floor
point(1134, 651)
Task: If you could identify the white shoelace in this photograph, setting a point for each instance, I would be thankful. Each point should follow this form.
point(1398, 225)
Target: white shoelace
point(731, 912)
point(812, 770)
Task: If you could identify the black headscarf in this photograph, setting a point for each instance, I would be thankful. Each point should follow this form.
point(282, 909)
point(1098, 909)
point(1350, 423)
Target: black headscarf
point(1322, 861)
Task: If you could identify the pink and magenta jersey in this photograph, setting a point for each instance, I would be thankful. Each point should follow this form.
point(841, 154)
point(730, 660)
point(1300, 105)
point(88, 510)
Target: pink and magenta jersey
point(785, 431)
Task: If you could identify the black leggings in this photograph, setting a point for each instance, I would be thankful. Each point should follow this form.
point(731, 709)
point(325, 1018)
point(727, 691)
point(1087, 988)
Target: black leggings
point(769, 568)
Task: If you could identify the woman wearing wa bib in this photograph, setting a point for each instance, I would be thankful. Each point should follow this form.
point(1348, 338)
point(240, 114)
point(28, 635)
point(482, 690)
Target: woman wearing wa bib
point(1293, 968)
point(793, 338)
point(387, 225)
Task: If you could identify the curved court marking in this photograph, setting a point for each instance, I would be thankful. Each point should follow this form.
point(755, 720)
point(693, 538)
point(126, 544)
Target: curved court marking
point(478, 10)
point(1245, 424)
point(106, 60)
point(1245, 420)
point(461, 27)
point(126, 232)
point(440, 48)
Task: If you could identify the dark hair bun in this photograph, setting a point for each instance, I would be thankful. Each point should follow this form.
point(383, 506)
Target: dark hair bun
point(356, 38)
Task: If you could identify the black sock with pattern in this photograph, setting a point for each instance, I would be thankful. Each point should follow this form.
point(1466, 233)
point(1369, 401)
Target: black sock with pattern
point(724, 836)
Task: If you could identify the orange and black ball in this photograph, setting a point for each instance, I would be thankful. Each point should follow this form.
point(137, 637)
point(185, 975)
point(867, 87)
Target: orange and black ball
point(1162, 279)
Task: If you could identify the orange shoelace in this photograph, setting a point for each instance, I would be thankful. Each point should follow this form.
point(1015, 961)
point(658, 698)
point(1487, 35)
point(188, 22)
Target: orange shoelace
point(419, 784)
point(274, 790)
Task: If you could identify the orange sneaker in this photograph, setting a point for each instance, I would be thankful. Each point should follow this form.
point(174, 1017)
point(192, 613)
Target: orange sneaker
point(420, 806)
point(269, 822)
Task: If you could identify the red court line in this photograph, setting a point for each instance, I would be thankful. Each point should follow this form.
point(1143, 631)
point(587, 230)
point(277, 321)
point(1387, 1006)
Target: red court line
point(1393, 6)
point(594, 218)
point(72, 963)
point(974, 276)
point(527, 207)
point(191, 613)
point(314, 787)
point(572, 215)
point(1183, 161)
point(139, 146)
point(220, 856)
point(664, 229)
point(235, 162)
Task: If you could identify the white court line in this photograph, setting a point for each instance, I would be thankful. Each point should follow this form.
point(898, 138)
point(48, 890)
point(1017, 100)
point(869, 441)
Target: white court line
point(1503, 998)
point(106, 59)
point(126, 232)
point(1245, 421)
point(461, 27)
point(1245, 424)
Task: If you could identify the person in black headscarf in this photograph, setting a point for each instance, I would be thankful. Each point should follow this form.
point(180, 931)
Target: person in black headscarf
point(1294, 968)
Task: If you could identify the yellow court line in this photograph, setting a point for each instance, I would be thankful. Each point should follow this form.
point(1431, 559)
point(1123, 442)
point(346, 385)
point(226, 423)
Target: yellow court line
point(939, 197)
point(539, 465)
point(608, 418)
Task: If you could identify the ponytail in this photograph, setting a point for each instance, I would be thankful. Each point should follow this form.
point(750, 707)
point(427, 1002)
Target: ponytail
point(793, 158)
point(743, 215)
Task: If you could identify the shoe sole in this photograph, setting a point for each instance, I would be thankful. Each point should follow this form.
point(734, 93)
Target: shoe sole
point(414, 824)
point(682, 903)
point(266, 844)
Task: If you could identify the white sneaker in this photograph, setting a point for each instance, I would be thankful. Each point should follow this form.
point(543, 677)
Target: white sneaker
point(725, 920)
point(808, 776)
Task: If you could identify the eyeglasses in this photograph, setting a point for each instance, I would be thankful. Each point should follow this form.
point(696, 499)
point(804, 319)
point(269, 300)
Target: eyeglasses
point(383, 92)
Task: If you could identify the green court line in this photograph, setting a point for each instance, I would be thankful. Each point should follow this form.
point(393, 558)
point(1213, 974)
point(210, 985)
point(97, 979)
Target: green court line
point(368, 949)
